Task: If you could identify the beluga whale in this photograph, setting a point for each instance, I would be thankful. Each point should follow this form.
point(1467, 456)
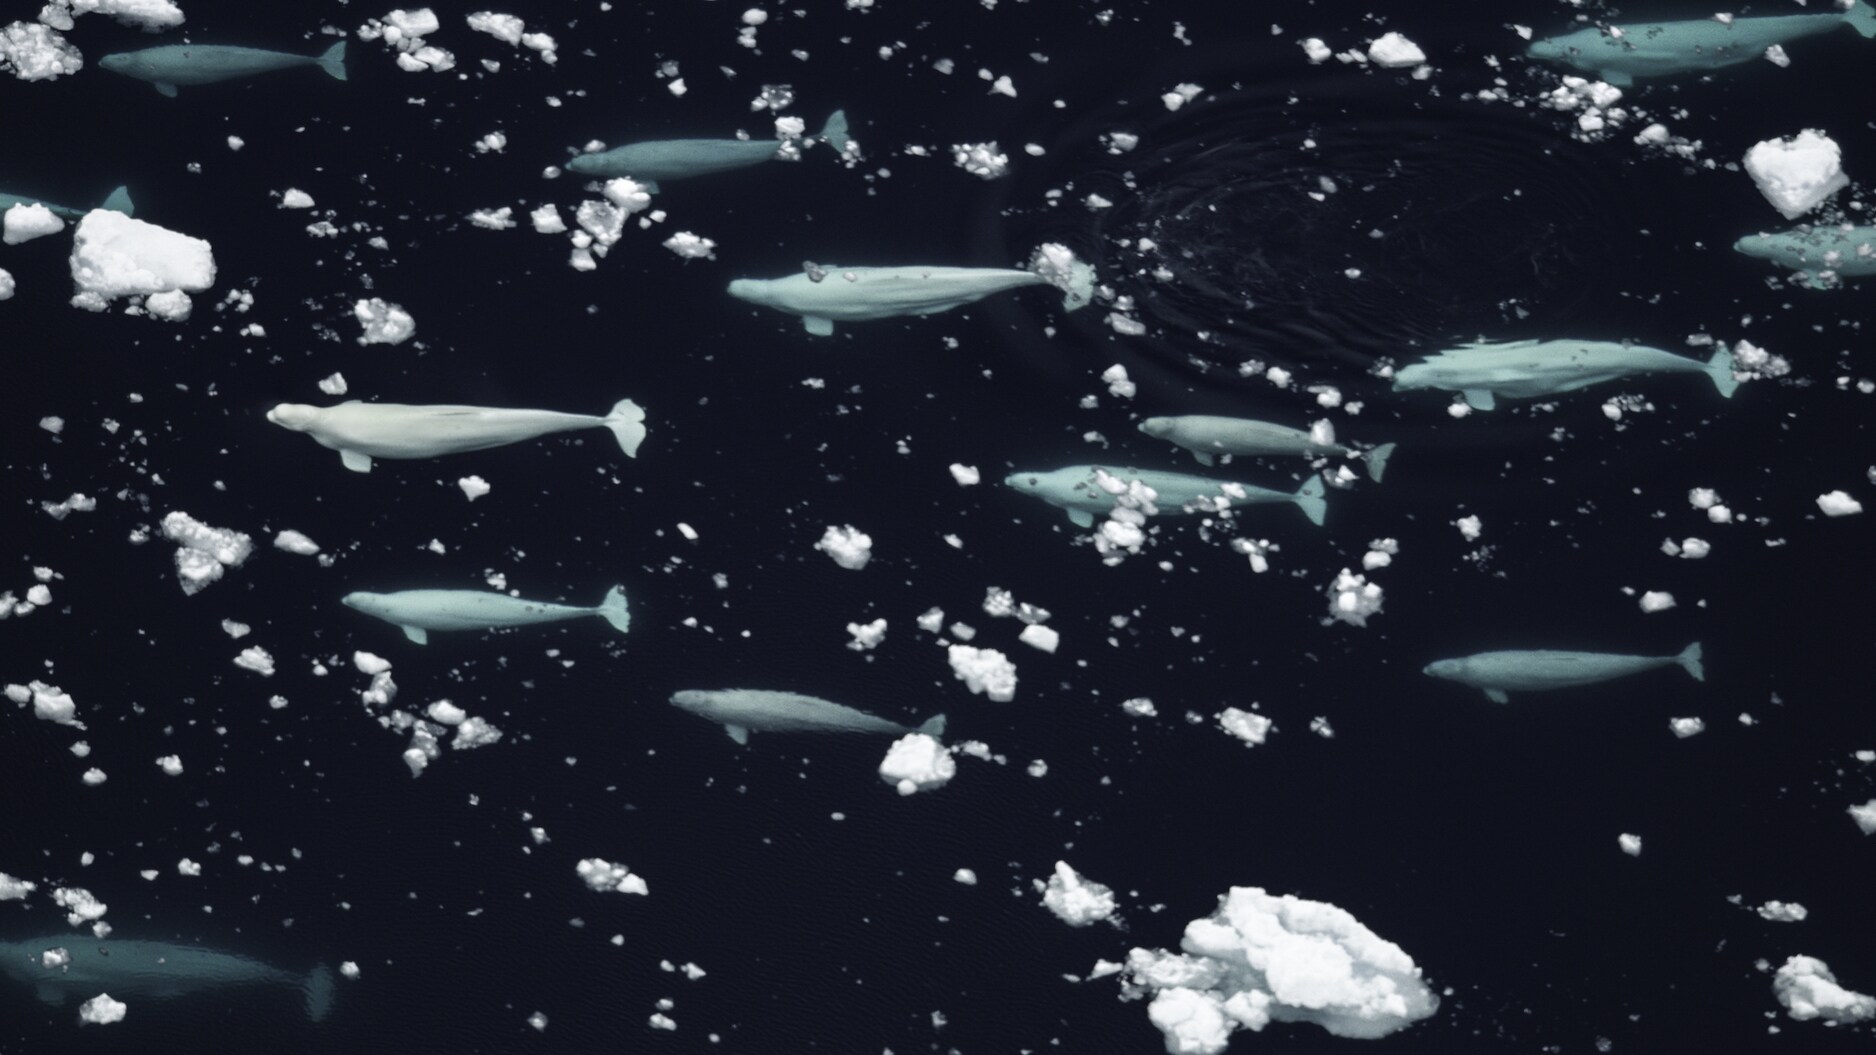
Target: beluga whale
point(192, 64)
point(1485, 372)
point(1822, 254)
point(1620, 54)
point(134, 971)
point(654, 161)
point(1209, 435)
point(1542, 670)
point(417, 612)
point(363, 431)
point(118, 201)
point(1077, 490)
point(825, 294)
point(744, 711)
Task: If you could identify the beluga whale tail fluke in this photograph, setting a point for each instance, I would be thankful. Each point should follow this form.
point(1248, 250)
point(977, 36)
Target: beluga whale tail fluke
point(613, 610)
point(332, 60)
point(1690, 661)
point(1375, 460)
point(1059, 267)
point(1720, 369)
point(319, 992)
point(627, 422)
point(1310, 499)
point(835, 131)
point(119, 201)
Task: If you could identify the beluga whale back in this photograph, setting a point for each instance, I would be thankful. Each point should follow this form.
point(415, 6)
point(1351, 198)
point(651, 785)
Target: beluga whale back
point(1543, 670)
point(654, 161)
point(363, 431)
point(1209, 435)
point(743, 711)
point(134, 971)
point(822, 295)
point(173, 64)
point(417, 612)
point(1620, 54)
point(1487, 371)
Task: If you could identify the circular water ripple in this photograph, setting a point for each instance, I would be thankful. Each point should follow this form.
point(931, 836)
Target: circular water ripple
point(1328, 225)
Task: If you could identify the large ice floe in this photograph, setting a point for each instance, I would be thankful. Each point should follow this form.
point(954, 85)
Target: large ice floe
point(33, 52)
point(116, 256)
point(1807, 989)
point(1260, 959)
point(1796, 175)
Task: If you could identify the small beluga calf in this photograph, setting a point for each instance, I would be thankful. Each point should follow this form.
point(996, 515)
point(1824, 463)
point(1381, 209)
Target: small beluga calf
point(1077, 490)
point(1822, 254)
point(363, 431)
point(652, 162)
point(1209, 435)
point(1620, 54)
point(824, 294)
point(134, 971)
point(192, 64)
point(118, 201)
point(1500, 673)
point(417, 612)
point(1485, 372)
point(744, 711)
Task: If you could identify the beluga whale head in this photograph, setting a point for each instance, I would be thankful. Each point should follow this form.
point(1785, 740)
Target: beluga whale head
point(752, 290)
point(118, 62)
point(1028, 483)
point(584, 164)
point(1156, 427)
point(295, 416)
point(1450, 669)
point(365, 601)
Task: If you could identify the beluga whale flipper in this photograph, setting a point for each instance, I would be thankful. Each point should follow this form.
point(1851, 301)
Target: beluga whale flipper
point(1822, 253)
point(1076, 489)
point(654, 161)
point(743, 711)
point(363, 431)
point(1542, 670)
point(417, 612)
point(135, 971)
point(118, 201)
point(173, 64)
point(1208, 435)
point(1485, 372)
point(1620, 54)
point(824, 294)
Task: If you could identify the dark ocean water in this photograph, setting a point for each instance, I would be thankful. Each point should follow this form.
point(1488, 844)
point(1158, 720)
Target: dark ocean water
point(1480, 838)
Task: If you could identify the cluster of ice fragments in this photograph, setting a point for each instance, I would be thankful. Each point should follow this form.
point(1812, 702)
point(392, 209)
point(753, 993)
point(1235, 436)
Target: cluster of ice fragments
point(1259, 959)
point(1807, 989)
point(202, 552)
point(850, 547)
point(404, 31)
point(605, 876)
point(917, 762)
point(32, 52)
point(383, 322)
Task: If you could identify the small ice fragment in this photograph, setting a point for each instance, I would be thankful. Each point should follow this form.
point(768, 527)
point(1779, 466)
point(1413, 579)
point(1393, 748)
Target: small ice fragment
point(473, 487)
point(849, 547)
point(100, 1010)
point(383, 322)
point(1656, 601)
point(1686, 727)
point(1838, 504)
point(1630, 844)
point(917, 762)
point(1076, 901)
point(1393, 51)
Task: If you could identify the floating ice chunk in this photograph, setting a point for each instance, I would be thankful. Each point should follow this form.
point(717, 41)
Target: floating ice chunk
point(33, 52)
point(100, 1010)
point(1796, 175)
point(1316, 51)
point(1775, 55)
point(474, 733)
point(984, 670)
point(1180, 95)
point(1117, 381)
point(547, 219)
point(1630, 844)
point(1865, 817)
point(473, 487)
point(965, 876)
point(501, 219)
point(370, 663)
point(1393, 51)
point(383, 322)
point(1838, 504)
point(965, 475)
point(917, 762)
point(115, 256)
point(628, 194)
point(983, 160)
point(1783, 911)
point(294, 542)
point(7, 284)
point(866, 636)
point(149, 15)
point(1259, 959)
point(603, 875)
point(1469, 527)
point(295, 198)
point(1352, 599)
point(1140, 707)
point(1807, 989)
point(74, 503)
point(850, 547)
point(1657, 601)
point(1035, 635)
point(203, 551)
point(1076, 901)
point(23, 223)
point(691, 246)
point(80, 907)
point(1686, 727)
point(1248, 726)
point(257, 660)
point(171, 764)
point(50, 703)
point(506, 28)
point(12, 888)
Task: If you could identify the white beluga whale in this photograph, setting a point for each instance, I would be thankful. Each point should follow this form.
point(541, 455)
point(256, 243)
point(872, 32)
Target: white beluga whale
point(744, 711)
point(417, 612)
point(1486, 371)
point(1500, 673)
point(1621, 54)
point(363, 431)
point(1821, 253)
point(823, 295)
point(134, 971)
point(1076, 489)
point(173, 64)
point(654, 161)
point(118, 201)
point(1209, 435)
